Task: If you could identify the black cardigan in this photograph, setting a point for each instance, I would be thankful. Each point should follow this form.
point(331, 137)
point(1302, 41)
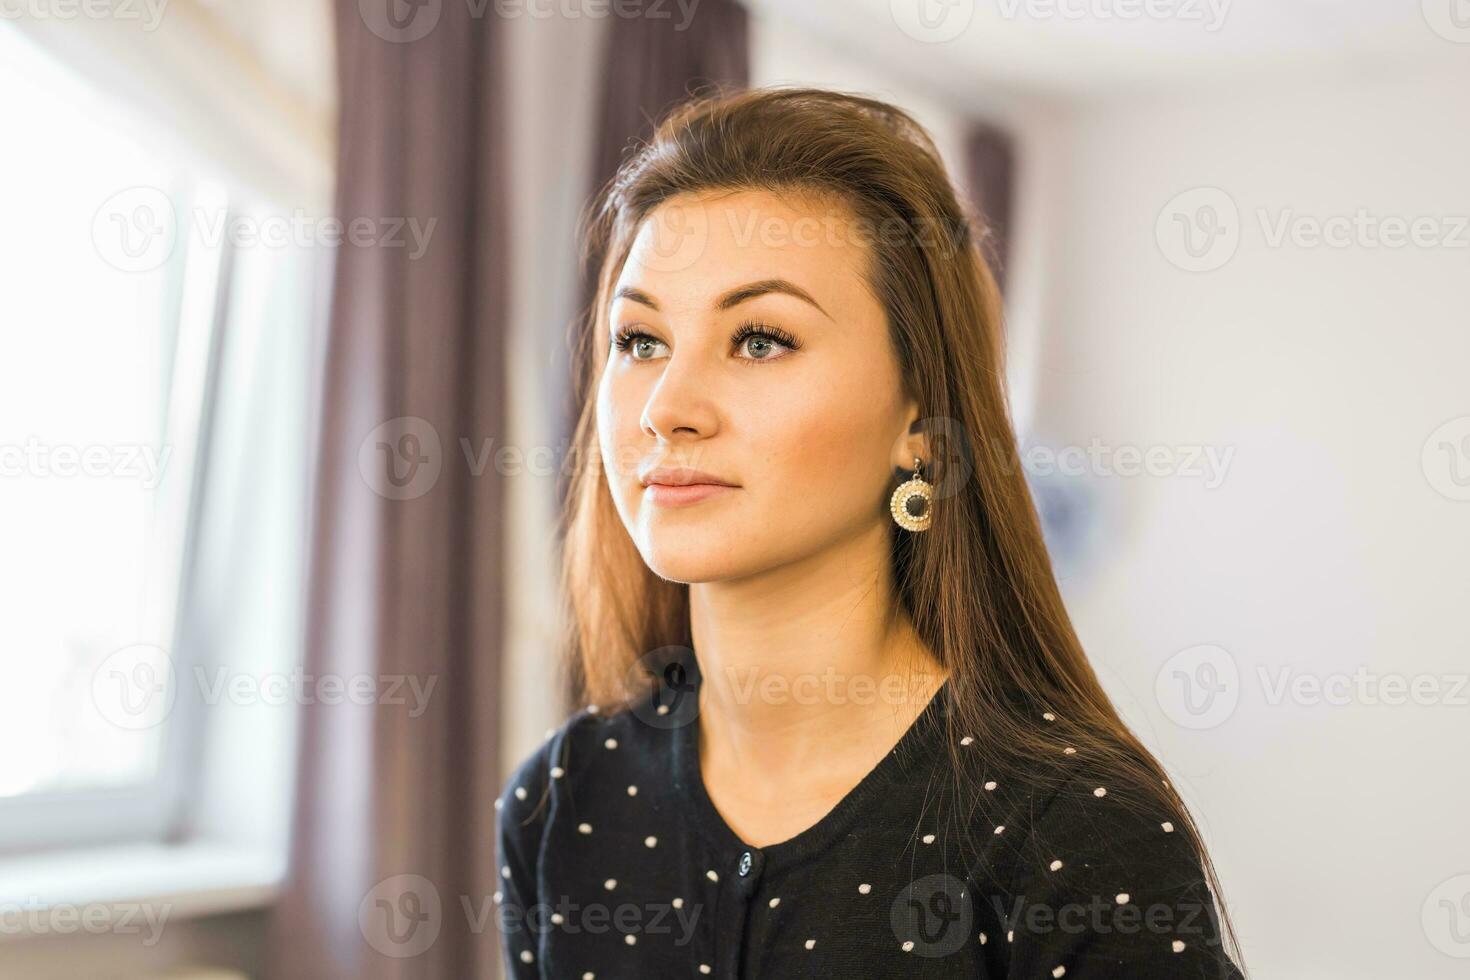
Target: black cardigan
point(615, 865)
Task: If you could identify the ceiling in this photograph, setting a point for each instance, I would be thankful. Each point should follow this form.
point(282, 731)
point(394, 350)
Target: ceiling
point(1097, 53)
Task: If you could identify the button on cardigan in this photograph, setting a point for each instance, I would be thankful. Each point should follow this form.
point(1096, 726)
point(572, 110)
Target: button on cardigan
point(616, 865)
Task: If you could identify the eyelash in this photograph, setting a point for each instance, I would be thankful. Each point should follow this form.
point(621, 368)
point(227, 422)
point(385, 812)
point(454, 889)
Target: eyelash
point(746, 330)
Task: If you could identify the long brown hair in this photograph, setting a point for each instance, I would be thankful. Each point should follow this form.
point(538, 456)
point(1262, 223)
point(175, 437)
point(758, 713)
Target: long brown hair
point(978, 584)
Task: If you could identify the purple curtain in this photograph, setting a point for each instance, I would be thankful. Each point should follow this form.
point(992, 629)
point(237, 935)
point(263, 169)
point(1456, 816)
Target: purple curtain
point(990, 164)
point(392, 856)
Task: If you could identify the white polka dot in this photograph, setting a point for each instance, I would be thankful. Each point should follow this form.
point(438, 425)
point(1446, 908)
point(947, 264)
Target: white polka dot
point(1058, 971)
point(967, 740)
point(1168, 827)
point(663, 709)
point(1048, 716)
point(548, 733)
point(810, 943)
point(984, 939)
point(630, 939)
point(594, 708)
point(710, 874)
point(775, 902)
point(611, 743)
point(520, 792)
point(589, 975)
point(1056, 865)
point(1178, 945)
point(505, 871)
point(557, 772)
point(704, 968)
point(1100, 791)
point(650, 841)
point(526, 956)
point(1069, 750)
point(990, 784)
point(499, 803)
point(908, 944)
point(864, 888)
point(1011, 936)
point(928, 838)
point(584, 828)
point(1121, 898)
point(610, 884)
point(678, 903)
point(632, 790)
point(557, 918)
point(499, 896)
point(1000, 828)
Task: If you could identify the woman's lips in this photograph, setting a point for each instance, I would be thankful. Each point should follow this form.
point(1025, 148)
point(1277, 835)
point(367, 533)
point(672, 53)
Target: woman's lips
point(671, 496)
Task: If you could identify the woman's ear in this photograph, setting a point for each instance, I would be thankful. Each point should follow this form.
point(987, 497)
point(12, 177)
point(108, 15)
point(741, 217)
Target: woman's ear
point(914, 442)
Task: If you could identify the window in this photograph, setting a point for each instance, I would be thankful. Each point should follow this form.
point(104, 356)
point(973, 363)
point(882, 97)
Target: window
point(146, 355)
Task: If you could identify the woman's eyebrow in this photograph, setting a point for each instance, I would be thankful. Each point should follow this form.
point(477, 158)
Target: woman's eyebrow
point(733, 297)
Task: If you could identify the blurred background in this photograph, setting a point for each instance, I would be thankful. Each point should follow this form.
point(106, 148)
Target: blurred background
point(285, 392)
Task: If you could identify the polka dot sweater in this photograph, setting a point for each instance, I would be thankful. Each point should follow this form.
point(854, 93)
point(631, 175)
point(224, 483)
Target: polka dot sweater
point(615, 865)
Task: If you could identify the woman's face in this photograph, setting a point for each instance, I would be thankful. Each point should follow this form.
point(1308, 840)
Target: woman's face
point(806, 422)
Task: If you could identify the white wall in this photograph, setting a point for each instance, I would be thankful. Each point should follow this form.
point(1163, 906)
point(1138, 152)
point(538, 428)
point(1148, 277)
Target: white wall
point(1327, 546)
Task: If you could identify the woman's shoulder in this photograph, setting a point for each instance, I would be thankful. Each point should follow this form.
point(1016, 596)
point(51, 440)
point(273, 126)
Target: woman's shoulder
point(1095, 871)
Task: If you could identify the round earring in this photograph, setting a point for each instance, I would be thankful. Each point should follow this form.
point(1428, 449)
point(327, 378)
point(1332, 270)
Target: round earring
point(912, 503)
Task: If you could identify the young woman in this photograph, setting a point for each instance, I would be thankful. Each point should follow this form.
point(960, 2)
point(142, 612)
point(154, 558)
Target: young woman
point(838, 721)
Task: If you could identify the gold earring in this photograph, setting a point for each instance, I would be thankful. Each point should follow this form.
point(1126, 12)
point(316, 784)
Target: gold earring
point(912, 503)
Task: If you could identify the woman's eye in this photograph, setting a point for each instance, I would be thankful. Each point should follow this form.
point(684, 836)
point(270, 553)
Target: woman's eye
point(761, 346)
point(640, 345)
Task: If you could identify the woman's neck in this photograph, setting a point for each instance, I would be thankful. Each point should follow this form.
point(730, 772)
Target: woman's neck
point(810, 667)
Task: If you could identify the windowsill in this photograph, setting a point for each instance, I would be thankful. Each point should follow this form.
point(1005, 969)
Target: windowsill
point(182, 881)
